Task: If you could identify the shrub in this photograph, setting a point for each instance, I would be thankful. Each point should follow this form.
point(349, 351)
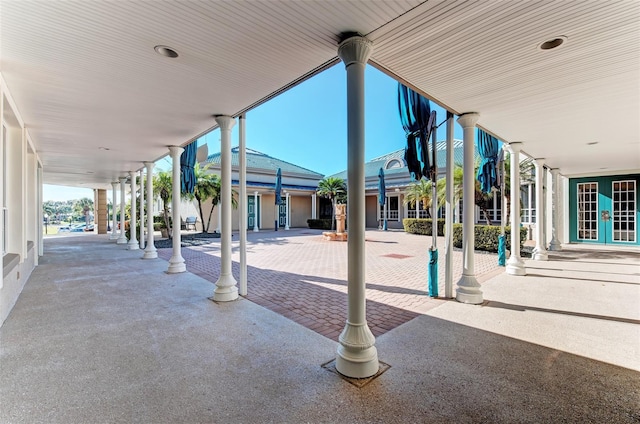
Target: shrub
point(422, 226)
point(319, 224)
point(486, 237)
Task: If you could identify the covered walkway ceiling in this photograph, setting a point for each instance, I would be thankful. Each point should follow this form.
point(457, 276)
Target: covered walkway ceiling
point(85, 77)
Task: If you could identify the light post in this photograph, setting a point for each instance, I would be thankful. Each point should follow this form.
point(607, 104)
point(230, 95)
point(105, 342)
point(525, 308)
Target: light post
point(46, 222)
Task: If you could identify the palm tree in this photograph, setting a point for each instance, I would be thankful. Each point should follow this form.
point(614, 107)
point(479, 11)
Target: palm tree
point(419, 192)
point(207, 187)
point(334, 189)
point(162, 187)
point(83, 207)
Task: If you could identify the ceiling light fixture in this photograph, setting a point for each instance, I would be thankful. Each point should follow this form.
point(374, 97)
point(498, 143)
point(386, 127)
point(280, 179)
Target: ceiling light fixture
point(592, 143)
point(104, 148)
point(552, 43)
point(166, 51)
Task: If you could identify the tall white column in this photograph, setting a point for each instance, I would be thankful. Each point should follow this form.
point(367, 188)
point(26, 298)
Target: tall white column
point(142, 223)
point(540, 252)
point(313, 206)
point(226, 289)
point(256, 212)
point(449, 211)
point(286, 225)
point(133, 240)
point(242, 159)
point(122, 238)
point(219, 223)
point(555, 244)
point(515, 265)
point(176, 263)
point(114, 224)
point(468, 290)
point(357, 357)
point(150, 251)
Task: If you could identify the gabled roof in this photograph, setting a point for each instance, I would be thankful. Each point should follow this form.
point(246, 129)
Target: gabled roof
point(261, 161)
point(394, 165)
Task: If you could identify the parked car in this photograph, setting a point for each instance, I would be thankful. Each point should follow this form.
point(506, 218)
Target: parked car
point(64, 229)
point(89, 227)
point(79, 228)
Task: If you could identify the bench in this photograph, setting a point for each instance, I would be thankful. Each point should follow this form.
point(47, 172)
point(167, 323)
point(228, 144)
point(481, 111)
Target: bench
point(190, 223)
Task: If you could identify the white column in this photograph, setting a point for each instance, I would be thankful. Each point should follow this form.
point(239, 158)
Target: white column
point(133, 240)
point(219, 223)
point(540, 252)
point(255, 208)
point(555, 244)
point(122, 238)
point(150, 251)
point(515, 265)
point(449, 211)
point(242, 204)
point(456, 212)
point(357, 356)
point(176, 263)
point(313, 206)
point(468, 290)
point(286, 225)
point(114, 224)
point(142, 223)
point(226, 289)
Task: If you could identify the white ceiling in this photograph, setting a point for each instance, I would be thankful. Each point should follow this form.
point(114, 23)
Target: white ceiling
point(84, 75)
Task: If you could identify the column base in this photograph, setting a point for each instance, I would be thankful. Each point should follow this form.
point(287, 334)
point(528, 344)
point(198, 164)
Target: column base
point(468, 290)
point(176, 265)
point(515, 266)
point(555, 245)
point(255, 230)
point(113, 236)
point(540, 255)
point(357, 356)
point(133, 245)
point(286, 228)
point(150, 254)
point(226, 289)
point(122, 240)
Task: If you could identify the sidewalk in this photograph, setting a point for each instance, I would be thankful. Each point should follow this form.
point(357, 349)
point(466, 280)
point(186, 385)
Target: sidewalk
point(99, 335)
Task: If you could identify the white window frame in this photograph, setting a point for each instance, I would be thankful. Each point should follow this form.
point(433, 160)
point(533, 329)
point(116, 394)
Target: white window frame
point(630, 212)
point(596, 210)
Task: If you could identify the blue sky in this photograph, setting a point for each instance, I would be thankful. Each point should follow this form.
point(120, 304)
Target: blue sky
point(307, 126)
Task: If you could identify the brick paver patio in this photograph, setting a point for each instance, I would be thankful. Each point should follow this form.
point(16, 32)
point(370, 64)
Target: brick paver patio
point(301, 276)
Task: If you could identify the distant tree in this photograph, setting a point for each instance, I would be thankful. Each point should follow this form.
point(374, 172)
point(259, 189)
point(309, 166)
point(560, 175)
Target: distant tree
point(207, 187)
point(419, 191)
point(335, 190)
point(162, 187)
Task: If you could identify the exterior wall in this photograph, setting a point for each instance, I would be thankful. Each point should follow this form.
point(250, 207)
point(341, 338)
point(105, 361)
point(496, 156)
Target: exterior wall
point(101, 214)
point(604, 202)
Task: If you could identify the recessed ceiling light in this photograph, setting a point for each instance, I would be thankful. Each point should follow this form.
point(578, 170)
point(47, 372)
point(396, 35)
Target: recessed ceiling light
point(592, 143)
point(104, 148)
point(166, 51)
point(552, 43)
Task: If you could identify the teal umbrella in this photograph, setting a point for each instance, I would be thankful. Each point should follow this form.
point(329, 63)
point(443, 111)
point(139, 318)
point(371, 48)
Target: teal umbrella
point(187, 164)
point(488, 150)
point(382, 196)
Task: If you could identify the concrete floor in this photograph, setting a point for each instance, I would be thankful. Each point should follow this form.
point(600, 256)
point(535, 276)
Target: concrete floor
point(99, 335)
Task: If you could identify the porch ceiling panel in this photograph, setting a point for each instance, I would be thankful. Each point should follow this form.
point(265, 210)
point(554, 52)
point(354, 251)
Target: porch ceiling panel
point(483, 57)
point(85, 74)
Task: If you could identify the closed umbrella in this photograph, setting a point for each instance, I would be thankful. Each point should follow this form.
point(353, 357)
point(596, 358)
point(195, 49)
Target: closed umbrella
point(278, 194)
point(187, 163)
point(382, 197)
point(488, 150)
point(419, 122)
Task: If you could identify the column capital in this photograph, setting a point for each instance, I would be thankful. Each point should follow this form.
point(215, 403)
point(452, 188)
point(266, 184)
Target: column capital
point(122, 180)
point(115, 184)
point(149, 165)
point(225, 122)
point(469, 119)
point(554, 171)
point(514, 147)
point(255, 192)
point(539, 162)
point(356, 49)
point(175, 151)
point(132, 174)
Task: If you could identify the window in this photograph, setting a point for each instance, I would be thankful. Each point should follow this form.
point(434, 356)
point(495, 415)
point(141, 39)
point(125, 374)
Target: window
point(624, 210)
point(588, 211)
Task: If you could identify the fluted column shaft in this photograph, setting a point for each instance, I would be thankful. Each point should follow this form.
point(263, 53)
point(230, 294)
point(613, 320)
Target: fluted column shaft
point(256, 212)
point(555, 243)
point(122, 238)
point(176, 263)
point(226, 288)
point(515, 265)
point(142, 223)
point(150, 251)
point(114, 223)
point(357, 356)
point(540, 252)
point(133, 240)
